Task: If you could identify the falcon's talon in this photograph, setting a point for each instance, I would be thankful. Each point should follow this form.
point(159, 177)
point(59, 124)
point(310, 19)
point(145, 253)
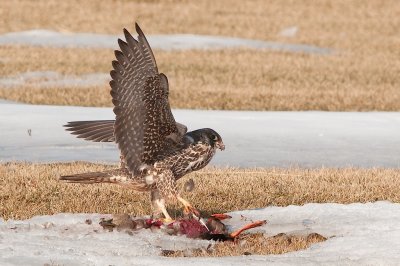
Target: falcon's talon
point(193, 211)
point(188, 208)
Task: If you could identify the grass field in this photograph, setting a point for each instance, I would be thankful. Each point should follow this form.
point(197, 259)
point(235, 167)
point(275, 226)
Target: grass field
point(28, 189)
point(361, 76)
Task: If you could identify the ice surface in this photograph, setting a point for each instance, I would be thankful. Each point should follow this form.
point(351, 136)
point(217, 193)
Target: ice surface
point(51, 79)
point(67, 239)
point(264, 139)
point(41, 37)
point(3, 101)
point(359, 234)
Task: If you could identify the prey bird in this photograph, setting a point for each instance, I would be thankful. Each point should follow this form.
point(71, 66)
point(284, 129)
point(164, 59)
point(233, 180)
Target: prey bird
point(155, 150)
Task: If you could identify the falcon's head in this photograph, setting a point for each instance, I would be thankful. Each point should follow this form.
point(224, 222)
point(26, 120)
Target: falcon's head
point(206, 136)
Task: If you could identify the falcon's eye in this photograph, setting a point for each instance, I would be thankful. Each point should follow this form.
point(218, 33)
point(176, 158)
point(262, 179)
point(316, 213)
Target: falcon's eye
point(214, 137)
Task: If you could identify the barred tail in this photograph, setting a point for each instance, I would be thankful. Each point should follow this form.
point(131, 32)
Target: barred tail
point(117, 176)
point(95, 177)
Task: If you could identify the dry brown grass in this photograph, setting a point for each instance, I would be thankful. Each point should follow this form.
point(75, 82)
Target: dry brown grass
point(252, 244)
point(233, 79)
point(362, 76)
point(28, 189)
point(334, 23)
point(19, 59)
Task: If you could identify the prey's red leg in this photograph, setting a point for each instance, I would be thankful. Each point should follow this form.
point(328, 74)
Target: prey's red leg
point(247, 227)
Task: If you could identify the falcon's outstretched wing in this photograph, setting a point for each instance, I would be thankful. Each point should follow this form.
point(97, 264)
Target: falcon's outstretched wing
point(101, 130)
point(144, 122)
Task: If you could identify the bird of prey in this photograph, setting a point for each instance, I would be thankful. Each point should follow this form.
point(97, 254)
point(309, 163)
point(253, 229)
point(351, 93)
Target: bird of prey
point(155, 150)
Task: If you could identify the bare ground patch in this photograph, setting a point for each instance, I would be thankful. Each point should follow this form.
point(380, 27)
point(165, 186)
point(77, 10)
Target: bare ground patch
point(252, 244)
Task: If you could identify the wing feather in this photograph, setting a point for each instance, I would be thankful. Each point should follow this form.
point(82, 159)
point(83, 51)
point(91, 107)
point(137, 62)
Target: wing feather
point(131, 70)
point(144, 123)
point(99, 131)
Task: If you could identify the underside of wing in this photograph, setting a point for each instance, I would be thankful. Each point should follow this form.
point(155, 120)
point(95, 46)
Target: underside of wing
point(97, 131)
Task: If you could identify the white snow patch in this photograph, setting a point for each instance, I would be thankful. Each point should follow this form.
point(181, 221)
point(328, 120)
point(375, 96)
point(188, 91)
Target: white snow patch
point(289, 32)
point(359, 234)
point(51, 79)
point(3, 101)
point(67, 239)
point(252, 139)
point(41, 37)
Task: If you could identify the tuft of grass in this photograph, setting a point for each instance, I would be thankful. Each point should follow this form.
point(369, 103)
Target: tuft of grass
point(28, 189)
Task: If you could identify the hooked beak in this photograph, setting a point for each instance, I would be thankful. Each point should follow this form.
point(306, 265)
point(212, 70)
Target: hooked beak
point(220, 145)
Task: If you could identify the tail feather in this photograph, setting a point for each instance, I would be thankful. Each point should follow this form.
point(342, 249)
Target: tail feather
point(117, 176)
point(95, 177)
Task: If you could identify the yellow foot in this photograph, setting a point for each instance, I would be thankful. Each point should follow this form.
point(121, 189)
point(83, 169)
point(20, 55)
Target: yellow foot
point(167, 220)
point(188, 208)
point(191, 210)
point(161, 206)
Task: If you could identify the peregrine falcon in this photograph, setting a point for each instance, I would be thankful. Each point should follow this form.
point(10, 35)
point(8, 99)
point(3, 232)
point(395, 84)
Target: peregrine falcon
point(155, 150)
